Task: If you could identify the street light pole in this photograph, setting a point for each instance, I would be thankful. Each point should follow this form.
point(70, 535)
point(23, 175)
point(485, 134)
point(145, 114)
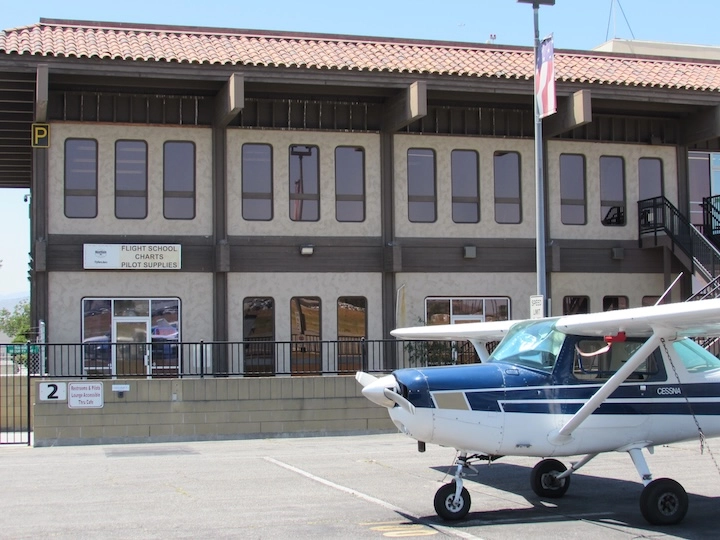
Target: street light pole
point(539, 167)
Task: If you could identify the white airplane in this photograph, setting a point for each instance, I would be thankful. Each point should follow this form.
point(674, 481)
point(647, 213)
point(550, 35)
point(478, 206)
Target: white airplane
point(617, 381)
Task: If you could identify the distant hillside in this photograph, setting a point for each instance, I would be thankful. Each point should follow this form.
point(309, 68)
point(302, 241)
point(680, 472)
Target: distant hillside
point(9, 301)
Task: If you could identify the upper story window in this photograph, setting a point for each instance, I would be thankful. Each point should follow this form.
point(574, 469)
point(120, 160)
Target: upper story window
point(612, 190)
point(179, 180)
point(81, 178)
point(304, 183)
point(650, 178)
point(572, 189)
point(350, 183)
point(422, 193)
point(465, 180)
point(131, 187)
point(508, 201)
point(257, 182)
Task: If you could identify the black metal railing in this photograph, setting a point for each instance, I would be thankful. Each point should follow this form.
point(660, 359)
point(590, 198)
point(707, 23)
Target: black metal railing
point(657, 216)
point(711, 218)
point(221, 359)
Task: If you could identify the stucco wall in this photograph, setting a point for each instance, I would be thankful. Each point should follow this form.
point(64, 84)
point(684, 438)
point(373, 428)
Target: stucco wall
point(69, 288)
point(208, 409)
point(281, 224)
point(106, 222)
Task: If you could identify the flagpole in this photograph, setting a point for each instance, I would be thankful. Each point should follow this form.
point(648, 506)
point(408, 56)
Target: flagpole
point(539, 177)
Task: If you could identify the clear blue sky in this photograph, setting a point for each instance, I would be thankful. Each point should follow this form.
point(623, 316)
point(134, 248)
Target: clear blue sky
point(575, 24)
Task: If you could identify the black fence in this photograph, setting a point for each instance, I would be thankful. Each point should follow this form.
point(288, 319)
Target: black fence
point(255, 358)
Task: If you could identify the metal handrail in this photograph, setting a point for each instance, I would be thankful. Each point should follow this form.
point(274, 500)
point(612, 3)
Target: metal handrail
point(657, 216)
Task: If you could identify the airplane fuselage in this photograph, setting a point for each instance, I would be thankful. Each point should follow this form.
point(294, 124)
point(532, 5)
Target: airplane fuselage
point(508, 409)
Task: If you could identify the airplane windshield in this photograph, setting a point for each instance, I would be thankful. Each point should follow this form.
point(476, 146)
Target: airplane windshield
point(533, 344)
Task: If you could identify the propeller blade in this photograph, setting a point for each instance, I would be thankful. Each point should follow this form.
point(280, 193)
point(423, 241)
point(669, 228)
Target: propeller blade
point(397, 398)
point(364, 378)
point(375, 390)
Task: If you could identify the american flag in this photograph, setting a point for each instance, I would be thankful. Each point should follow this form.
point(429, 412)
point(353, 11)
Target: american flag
point(545, 78)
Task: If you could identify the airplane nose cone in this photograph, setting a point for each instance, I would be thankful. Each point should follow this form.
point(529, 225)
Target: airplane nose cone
point(375, 391)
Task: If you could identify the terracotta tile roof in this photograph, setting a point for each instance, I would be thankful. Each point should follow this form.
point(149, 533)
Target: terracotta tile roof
point(150, 43)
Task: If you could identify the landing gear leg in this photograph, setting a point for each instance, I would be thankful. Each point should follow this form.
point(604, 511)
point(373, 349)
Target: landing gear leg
point(452, 501)
point(662, 501)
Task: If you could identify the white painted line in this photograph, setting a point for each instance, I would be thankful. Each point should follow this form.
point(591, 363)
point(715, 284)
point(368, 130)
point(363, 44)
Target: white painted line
point(389, 506)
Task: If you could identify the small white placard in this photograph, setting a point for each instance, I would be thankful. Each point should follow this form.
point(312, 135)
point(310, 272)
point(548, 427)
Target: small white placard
point(120, 387)
point(85, 395)
point(537, 306)
point(52, 391)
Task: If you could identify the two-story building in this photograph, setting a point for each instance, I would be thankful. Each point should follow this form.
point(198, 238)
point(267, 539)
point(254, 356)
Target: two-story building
point(205, 184)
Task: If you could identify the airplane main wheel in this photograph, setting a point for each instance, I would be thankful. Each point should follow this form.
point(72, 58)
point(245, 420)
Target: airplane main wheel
point(446, 506)
point(663, 502)
point(544, 482)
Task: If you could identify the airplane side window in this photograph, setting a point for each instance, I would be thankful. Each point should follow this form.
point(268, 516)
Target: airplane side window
point(597, 360)
point(695, 358)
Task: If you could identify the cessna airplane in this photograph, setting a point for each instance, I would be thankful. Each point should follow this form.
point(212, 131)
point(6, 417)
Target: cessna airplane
point(617, 381)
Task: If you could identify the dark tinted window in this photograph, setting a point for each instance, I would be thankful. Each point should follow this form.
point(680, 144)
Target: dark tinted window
point(304, 183)
point(650, 178)
point(131, 179)
point(257, 182)
point(572, 189)
point(572, 305)
point(612, 191)
point(81, 178)
point(465, 186)
point(421, 185)
point(349, 183)
point(508, 203)
point(179, 180)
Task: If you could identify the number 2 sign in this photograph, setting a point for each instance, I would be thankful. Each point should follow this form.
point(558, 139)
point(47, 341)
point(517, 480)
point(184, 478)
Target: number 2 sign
point(53, 391)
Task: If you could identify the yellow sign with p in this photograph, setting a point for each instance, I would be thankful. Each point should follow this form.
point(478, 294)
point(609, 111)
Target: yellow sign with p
point(41, 135)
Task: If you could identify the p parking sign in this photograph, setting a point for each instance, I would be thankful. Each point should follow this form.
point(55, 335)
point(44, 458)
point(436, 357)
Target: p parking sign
point(41, 135)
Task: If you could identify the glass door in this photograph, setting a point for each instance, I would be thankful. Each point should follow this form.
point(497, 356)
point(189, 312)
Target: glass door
point(131, 353)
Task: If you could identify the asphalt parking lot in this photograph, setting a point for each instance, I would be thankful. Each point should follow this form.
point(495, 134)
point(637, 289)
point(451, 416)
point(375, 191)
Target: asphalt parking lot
point(369, 486)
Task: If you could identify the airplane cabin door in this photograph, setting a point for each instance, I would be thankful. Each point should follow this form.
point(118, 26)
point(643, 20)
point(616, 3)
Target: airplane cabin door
point(131, 353)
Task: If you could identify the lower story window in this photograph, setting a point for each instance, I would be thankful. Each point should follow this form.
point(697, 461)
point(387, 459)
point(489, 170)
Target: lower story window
point(131, 336)
point(461, 310)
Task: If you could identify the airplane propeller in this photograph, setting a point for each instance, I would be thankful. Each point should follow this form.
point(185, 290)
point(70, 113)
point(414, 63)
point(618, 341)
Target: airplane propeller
point(383, 391)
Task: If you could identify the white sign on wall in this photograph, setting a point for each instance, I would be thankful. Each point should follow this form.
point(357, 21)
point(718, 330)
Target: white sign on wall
point(52, 391)
point(85, 395)
point(132, 256)
point(537, 306)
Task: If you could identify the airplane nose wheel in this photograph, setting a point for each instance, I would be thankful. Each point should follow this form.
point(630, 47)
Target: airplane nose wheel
point(449, 507)
point(544, 481)
point(663, 502)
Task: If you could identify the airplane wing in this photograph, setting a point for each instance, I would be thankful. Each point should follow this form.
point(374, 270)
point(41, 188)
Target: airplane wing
point(480, 332)
point(699, 318)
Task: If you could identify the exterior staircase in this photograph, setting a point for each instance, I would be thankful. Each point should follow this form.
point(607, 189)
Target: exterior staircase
point(661, 224)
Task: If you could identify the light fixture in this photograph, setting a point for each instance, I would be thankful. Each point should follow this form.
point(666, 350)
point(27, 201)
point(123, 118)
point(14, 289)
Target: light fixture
point(307, 250)
point(469, 252)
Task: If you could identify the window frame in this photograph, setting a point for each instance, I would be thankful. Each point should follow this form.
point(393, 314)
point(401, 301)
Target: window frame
point(179, 194)
point(296, 198)
point(348, 197)
point(79, 192)
point(464, 199)
point(248, 196)
point(130, 193)
point(507, 201)
point(414, 199)
point(612, 203)
point(567, 203)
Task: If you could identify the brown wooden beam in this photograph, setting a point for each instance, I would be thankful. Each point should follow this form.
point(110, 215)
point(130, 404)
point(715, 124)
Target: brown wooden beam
point(701, 126)
point(41, 93)
point(405, 107)
point(573, 111)
point(230, 100)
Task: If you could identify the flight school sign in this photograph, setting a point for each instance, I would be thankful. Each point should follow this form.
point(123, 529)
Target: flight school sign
point(131, 256)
